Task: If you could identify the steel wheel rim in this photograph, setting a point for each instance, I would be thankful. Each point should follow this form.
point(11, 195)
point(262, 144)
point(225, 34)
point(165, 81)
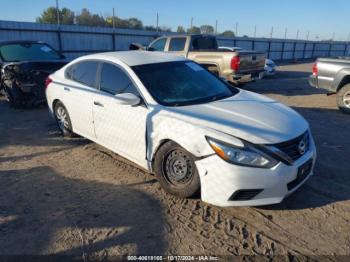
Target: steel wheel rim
point(177, 167)
point(62, 118)
point(346, 99)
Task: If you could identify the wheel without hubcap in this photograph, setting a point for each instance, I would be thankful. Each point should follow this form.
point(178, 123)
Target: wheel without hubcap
point(177, 168)
point(176, 171)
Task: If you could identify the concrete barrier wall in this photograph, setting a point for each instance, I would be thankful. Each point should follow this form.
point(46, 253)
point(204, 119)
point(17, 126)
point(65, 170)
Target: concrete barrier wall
point(74, 41)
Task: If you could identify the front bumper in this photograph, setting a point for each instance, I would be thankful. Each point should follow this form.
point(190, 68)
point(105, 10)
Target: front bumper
point(220, 180)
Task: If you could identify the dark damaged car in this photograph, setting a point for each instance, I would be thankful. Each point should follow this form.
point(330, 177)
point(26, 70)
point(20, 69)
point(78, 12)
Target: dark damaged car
point(25, 66)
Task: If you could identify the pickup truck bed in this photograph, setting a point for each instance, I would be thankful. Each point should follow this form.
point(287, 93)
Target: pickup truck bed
point(236, 66)
point(334, 76)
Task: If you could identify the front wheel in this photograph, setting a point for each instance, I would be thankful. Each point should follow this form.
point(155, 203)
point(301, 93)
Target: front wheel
point(12, 96)
point(343, 99)
point(176, 171)
point(63, 120)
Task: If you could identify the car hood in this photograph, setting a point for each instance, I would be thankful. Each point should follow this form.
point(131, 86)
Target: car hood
point(30, 66)
point(249, 116)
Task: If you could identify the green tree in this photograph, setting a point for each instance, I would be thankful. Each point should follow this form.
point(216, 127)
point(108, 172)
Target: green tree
point(165, 29)
point(135, 23)
point(49, 16)
point(86, 18)
point(150, 28)
point(180, 29)
point(194, 30)
point(228, 33)
point(207, 29)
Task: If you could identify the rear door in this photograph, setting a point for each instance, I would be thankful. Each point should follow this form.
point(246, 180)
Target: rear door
point(121, 128)
point(79, 89)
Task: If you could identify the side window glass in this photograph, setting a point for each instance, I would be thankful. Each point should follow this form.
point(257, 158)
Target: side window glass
point(84, 72)
point(68, 72)
point(114, 80)
point(158, 45)
point(177, 44)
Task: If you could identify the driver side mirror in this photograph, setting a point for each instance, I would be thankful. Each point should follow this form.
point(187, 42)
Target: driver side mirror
point(127, 99)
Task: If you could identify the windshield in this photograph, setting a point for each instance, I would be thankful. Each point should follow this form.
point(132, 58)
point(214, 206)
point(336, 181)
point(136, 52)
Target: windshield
point(182, 83)
point(27, 52)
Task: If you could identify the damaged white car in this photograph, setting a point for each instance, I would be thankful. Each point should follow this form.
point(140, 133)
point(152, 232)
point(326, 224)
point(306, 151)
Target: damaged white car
point(194, 131)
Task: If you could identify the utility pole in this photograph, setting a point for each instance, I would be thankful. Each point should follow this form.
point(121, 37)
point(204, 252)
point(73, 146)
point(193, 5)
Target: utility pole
point(113, 20)
point(285, 33)
point(333, 36)
point(255, 31)
point(216, 27)
point(297, 34)
point(271, 33)
point(157, 23)
point(58, 13)
point(236, 28)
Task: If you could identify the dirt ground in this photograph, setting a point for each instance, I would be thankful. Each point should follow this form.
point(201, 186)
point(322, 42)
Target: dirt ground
point(71, 196)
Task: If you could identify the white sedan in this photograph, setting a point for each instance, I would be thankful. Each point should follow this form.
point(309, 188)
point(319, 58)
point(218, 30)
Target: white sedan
point(194, 131)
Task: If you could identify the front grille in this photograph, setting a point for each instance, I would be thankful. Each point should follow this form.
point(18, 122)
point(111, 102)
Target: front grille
point(245, 194)
point(291, 147)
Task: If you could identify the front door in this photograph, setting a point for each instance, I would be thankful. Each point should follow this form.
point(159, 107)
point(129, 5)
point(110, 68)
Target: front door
point(121, 128)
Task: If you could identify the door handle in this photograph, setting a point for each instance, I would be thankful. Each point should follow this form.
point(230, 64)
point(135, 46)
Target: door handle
point(96, 103)
point(66, 89)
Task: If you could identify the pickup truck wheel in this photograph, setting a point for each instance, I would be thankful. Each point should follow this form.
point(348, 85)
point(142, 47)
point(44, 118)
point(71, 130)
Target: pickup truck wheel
point(63, 120)
point(343, 99)
point(176, 171)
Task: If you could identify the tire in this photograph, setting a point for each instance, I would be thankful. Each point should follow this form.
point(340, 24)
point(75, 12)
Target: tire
point(12, 96)
point(63, 120)
point(176, 171)
point(343, 99)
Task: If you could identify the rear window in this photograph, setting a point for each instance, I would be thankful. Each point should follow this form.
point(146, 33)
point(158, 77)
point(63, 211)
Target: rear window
point(204, 43)
point(28, 52)
point(83, 72)
point(177, 44)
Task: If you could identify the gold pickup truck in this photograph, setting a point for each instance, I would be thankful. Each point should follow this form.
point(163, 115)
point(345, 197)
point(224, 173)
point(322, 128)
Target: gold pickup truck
point(237, 66)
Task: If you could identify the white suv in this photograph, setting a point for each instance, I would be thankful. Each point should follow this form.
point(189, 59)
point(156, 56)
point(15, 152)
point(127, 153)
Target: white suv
point(197, 133)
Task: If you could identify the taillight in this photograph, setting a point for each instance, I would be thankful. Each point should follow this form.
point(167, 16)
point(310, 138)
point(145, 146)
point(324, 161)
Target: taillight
point(235, 62)
point(315, 69)
point(47, 82)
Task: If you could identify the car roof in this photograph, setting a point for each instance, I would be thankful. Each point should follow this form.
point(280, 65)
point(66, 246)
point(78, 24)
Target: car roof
point(133, 58)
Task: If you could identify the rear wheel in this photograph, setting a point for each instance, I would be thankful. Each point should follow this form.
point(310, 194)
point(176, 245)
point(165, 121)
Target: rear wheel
point(63, 120)
point(343, 99)
point(176, 171)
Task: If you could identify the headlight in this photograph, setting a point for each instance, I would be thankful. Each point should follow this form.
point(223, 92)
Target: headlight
point(244, 156)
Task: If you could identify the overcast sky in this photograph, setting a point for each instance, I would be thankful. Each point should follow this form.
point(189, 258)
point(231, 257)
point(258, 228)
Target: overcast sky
point(322, 18)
